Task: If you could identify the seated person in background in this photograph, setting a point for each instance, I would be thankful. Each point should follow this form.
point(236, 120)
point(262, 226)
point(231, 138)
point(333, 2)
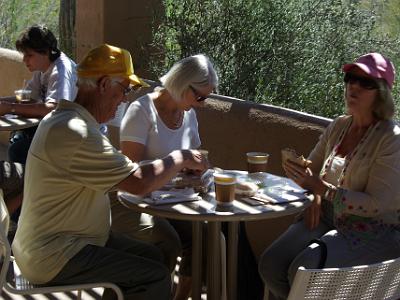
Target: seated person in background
point(11, 184)
point(354, 176)
point(154, 125)
point(63, 234)
point(54, 78)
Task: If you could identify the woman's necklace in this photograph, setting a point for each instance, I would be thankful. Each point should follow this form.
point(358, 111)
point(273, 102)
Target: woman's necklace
point(178, 120)
point(350, 155)
point(171, 119)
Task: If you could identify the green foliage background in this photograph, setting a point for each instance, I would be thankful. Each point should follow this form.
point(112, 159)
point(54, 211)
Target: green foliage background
point(16, 15)
point(282, 52)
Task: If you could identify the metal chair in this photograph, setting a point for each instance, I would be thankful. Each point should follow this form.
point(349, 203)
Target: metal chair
point(13, 282)
point(376, 282)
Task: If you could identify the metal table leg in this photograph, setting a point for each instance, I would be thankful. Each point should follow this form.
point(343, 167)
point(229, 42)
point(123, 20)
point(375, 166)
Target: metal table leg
point(213, 261)
point(223, 266)
point(196, 260)
point(233, 238)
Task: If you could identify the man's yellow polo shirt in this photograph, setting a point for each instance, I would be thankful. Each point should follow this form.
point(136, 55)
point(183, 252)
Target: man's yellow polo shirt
point(70, 168)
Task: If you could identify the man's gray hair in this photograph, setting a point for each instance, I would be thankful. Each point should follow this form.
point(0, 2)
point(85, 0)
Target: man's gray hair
point(194, 71)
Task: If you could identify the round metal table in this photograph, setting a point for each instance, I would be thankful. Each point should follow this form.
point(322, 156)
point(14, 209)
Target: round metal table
point(207, 211)
point(15, 122)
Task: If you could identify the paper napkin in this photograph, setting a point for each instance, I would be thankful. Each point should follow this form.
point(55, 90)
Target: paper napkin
point(172, 196)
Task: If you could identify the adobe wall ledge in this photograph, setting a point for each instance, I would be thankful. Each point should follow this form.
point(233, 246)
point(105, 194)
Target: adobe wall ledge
point(277, 110)
point(10, 54)
point(230, 127)
point(13, 71)
point(12, 74)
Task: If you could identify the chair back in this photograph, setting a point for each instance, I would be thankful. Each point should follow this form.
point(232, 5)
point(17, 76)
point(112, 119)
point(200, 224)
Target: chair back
point(5, 249)
point(15, 283)
point(4, 216)
point(375, 281)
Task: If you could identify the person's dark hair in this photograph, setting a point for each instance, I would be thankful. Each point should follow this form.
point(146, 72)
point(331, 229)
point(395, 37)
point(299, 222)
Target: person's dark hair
point(40, 39)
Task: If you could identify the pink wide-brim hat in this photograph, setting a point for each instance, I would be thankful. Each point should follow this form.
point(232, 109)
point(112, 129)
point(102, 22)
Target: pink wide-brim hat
point(375, 65)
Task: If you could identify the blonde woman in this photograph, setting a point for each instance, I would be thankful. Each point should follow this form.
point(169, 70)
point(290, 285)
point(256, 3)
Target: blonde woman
point(153, 126)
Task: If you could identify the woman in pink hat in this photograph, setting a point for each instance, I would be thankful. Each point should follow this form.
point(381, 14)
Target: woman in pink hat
point(355, 217)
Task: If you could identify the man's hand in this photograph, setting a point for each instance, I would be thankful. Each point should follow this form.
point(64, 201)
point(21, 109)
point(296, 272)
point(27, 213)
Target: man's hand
point(156, 174)
point(194, 160)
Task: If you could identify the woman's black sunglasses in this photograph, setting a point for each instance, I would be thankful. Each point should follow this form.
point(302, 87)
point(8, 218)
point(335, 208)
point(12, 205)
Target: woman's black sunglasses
point(364, 82)
point(199, 98)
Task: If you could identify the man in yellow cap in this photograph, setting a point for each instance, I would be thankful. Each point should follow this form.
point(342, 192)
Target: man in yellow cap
point(63, 236)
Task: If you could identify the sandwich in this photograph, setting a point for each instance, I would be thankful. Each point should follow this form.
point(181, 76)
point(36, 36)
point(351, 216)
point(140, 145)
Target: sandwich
point(290, 154)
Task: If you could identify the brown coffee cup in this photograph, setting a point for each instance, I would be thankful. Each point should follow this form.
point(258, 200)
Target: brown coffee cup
point(257, 162)
point(224, 188)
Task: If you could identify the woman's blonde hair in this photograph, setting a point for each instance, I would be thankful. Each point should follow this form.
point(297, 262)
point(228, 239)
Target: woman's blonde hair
point(194, 71)
point(383, 107)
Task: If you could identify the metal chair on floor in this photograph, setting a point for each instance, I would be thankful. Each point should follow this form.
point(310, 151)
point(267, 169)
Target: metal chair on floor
point(367, 282)
point(14, 283)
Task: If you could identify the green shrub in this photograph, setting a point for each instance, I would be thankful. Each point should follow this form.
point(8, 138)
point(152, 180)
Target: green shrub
point(282, 52)
point(16, 15)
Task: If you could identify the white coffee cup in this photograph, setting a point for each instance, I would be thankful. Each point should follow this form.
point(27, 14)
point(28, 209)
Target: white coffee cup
point(23, 95)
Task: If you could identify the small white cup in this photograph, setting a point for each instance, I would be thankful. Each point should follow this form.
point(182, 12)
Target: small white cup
point(23, 95)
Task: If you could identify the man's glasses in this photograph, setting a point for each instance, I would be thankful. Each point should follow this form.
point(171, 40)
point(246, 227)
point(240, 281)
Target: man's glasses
point(129, 88)
point(364, 82)
point(199, 98)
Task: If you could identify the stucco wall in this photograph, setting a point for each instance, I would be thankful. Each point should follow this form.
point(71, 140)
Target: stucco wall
point(89, 26)
point(13, 71)
point(12, 75)
point(123, 23)
point(231, 127)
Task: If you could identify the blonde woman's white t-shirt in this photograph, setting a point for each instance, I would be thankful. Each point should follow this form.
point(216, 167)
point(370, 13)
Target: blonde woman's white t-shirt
point(142, 124)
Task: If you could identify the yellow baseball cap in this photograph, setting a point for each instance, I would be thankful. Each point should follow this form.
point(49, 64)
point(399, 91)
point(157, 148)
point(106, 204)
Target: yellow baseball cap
point(109, 60)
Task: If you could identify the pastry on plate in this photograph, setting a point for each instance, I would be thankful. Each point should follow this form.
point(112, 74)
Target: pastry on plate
point(245, 188)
